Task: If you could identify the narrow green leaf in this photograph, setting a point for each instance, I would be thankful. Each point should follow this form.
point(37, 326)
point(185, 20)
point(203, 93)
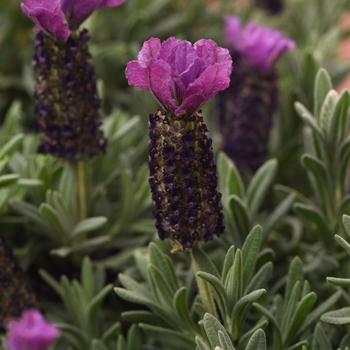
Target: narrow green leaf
point(290, 307)
point(89, 225)
point(225, 341)
point(241, 308)
point(250, 252)
point(94, 304)
point(134, 339)
point(340, 121)
point(325, 306)
point(8, 180)
point(308, 119)
point(337, 317)
point(212, 327)
point(295, 274)
point(165, 332)
point(87, 278)
point(160, 286)
point(201, 344)
point(319, 173)
point(182, 310)
point(327, 110)
point(228, 262)
point(234, 280)
point(11, 145)
point(323, 84)
point(164, 264)
point(321, 340)
point(272, 319)
point(346, 223)
point(230, 180)
point(54, 220)
point(260, 278)
point(219, 290)
point(203, 262)
point(257, 341)
point(339, 282)
point(314, 217)
point(240, 214)
point(137, 316)
point(278, 214)
point(260, 184)
point(303, 309)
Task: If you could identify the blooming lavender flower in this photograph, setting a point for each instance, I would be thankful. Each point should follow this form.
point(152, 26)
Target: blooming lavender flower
point(246, 109)
point(31, 332)
point(182, 77)
point(67, 105)
point(16, 293)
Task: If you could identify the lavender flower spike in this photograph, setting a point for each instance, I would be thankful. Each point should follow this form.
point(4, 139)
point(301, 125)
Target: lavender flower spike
point(66, 98)
point(261, 46)
point(60, 17)
point(67, 105)
point(183, 180)
point(180, 75)
point(31, 332)
point(245, 110)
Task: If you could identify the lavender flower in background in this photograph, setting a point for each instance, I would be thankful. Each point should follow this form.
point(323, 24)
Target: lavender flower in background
point(31, 332)
point(261, 46)
point(67, 105)
point(182, 77)
point(245, 110)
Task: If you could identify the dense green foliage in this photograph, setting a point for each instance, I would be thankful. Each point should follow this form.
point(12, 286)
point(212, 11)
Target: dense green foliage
point(106, 280)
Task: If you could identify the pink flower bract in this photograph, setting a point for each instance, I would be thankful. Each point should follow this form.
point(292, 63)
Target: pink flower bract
point(31, 332)
point(180, 75)
point(261, 46)
point(59, 17)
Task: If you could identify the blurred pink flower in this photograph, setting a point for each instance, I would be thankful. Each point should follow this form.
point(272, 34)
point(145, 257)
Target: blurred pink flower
point(59, 17)
point(31, 332)
point(261, 46)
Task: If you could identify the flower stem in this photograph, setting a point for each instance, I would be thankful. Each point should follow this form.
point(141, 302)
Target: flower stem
point(204, 290)
point(81, 190)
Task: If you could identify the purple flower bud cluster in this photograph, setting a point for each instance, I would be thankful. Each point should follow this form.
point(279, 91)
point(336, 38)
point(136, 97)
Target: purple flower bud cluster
point(245, 114)
point(16, 293)
point(66, 99)
point(187, 204)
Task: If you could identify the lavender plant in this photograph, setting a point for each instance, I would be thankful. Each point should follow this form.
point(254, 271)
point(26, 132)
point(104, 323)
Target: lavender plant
point(257, 283)
point(183, 180)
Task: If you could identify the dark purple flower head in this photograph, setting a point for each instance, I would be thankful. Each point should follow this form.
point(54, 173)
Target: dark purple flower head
point(261, 46)
point(181, 76)
point(59, 17)
point(31, 332)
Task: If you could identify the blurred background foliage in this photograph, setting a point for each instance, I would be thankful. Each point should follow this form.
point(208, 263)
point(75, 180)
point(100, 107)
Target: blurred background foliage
point(38, 205)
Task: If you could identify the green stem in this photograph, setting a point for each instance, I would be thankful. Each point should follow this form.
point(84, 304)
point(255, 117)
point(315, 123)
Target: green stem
point(204, 290)
point(81, 190)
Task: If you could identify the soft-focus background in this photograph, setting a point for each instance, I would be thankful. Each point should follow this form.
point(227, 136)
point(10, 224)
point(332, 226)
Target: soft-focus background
point(119, 198)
